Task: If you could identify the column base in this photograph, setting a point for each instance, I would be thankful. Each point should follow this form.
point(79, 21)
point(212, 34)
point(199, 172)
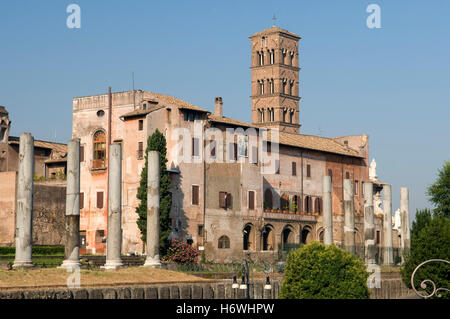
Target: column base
point(70, 264)
point(23, 264)
point(112, 265)
point(153, 262)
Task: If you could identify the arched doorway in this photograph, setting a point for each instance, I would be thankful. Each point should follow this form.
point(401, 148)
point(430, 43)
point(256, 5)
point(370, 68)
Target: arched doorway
point(248, 237)
point(268, 238)
point(306, 237)
point(287, 237)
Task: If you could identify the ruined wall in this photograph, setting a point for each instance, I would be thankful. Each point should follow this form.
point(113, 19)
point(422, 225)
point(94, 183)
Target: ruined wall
point(7, 207)
point(49, 207)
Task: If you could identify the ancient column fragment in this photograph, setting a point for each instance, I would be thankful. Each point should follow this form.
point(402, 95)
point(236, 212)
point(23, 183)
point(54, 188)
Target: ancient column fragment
point(24, 203)
point(405, 230)
point(369, 226)
point(72, 247)
point(388, 252)
point(327, 211)
point(114, 239)
point(349, 217)
point(153, 178)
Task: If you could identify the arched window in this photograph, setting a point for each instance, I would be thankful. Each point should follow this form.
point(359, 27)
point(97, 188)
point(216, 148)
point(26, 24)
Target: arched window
point(261, 87)
point(283, 56)
point(306, 235)
point(268, 240)
point(272, 88)
point(99, 150)
point(287, 236)
point(272, 56)
point(291, 61)
point(268, 199)
point(248, 237)
point(291, 87)
point(291, 116)
point(224, 242)
point(284, 86)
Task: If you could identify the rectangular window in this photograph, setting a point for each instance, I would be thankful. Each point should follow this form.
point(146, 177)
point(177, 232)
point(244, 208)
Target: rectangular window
point(195, 146)
point(99, 199)
point(251, 200)
point(82, 239)
point(254, 158)
point(362, 188)
point(140, 152)
point(222, 199)
point(378, 237)
point(141, 125)
point(200, 230)
point(308, 170)
point(243, 146)
point(99, 235)
point(294, 169)
point(81, 200)
point(347, 175)
point(195, 194)
point(81, 153)
point(356, 187)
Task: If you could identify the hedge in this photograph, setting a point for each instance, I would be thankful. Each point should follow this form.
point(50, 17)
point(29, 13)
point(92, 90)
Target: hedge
point(36, 250)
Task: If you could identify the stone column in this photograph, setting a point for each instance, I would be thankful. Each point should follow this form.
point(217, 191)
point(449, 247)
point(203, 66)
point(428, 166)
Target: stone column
point(24, 203)
point(114, 239)
point(327, 211)
point(388, 253)
point(72, 247)
point(369, 227)
point(153, 178)
point(349, 217)
point(405, 231)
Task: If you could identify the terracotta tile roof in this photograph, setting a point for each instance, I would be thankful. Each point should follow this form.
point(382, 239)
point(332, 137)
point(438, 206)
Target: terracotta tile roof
point(57, 147)
point(316, 143)
point(275, 29)
point(162, 101)
point(298, 140)
point(227, 120)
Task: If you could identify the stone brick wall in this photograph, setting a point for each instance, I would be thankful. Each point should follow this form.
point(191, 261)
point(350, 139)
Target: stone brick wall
point(391, 288)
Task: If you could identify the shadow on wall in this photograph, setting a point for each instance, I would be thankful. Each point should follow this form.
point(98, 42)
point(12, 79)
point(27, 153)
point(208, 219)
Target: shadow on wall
point(177, 213)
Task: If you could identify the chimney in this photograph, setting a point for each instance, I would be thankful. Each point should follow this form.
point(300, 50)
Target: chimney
point(218, 107)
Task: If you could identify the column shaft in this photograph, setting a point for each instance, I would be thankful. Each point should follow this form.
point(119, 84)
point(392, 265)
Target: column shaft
point(349, 217)
point(405, 231)
point(24, 203)
point(369, 227)
point(114, 239)
point(72, 247)
point(153, 178)
point(327, 211)
point(388, 253)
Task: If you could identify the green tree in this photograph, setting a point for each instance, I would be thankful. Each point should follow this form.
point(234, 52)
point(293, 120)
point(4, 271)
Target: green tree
point(431, 242)
point(439, 192)
point(316, 271)
point(423, 218)
point(156, 142)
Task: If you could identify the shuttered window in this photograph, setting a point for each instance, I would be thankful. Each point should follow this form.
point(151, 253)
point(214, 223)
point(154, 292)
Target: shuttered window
point(294, 169)
point(251, 200)
point(81, 200)
point(81, 154)
point(99, 199)
point(195, 192)
point(308, 170)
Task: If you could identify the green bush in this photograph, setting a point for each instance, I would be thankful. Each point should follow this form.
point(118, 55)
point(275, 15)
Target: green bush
point(36, 251)
point(318, 272)
point(431, 242)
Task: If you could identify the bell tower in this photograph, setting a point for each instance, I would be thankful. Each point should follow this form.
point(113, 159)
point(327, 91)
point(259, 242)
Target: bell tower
point(275, 80)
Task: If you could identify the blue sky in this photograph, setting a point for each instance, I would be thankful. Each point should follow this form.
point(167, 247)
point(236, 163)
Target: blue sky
point(392, 83)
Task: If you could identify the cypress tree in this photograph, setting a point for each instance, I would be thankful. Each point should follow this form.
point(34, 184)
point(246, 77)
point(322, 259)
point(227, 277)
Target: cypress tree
point(156, 142)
